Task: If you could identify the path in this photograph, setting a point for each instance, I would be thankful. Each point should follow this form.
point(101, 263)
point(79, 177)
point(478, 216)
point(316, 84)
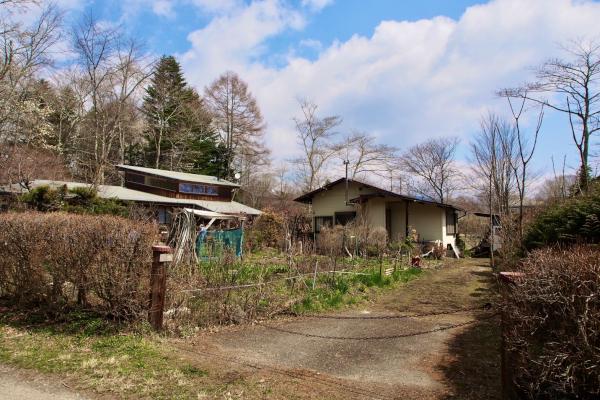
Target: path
point(21, 385)
point(459, 363)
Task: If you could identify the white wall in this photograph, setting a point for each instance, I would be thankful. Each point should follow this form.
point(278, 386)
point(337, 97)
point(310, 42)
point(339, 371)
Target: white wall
point(327, 202)
point(428, 219)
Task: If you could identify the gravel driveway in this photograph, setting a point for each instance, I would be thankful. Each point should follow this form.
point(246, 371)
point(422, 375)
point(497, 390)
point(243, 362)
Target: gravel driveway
point(370, 351)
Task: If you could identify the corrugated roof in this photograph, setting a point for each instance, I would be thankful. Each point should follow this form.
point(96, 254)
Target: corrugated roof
point(182, 176)
point(126, 194)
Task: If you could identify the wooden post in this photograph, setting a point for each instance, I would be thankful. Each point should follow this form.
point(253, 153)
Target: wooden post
point(161, 255)
point(508, 390)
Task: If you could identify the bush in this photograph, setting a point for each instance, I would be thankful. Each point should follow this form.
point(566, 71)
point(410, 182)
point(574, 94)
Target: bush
point(331, 240)
point(576, 220)
point(553, 324)
point(266, 231)
point(81, 200)
point(56, 259)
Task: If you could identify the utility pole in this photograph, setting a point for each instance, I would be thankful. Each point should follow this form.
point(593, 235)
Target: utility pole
point(346, 162)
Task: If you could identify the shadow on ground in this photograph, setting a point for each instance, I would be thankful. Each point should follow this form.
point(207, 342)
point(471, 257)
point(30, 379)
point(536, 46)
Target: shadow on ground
point(472, 367)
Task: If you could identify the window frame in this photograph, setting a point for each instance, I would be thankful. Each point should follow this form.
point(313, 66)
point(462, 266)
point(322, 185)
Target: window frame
point(317, 226)
point(451, 229)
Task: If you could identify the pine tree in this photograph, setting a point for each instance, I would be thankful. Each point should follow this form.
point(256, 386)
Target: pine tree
point(180, 135)
point(164, 110)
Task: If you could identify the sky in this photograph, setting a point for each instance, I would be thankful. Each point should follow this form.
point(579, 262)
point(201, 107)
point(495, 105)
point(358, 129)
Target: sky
point(402, 70)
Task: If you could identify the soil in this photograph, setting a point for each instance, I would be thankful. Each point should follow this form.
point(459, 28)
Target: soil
point(25, 385)
point(366, 357)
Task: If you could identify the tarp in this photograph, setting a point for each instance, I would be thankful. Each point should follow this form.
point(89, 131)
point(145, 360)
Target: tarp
point(213, 243)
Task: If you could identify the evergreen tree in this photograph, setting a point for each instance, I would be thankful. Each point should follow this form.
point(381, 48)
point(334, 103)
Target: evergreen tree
point(179, 134)
point(164, 109)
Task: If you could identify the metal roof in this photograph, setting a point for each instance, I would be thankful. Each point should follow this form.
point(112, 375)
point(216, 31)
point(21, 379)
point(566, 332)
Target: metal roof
point(182, 176)
point(307, 197)
point(126, 194)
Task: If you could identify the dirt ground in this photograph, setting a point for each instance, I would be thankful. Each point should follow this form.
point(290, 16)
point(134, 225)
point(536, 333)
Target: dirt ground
point(24, 385)
point(374, 350)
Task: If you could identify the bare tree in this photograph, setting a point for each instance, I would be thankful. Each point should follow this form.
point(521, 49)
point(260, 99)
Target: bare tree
point(25, 51)
point(524, 152)
point(238, 119)
point(433, 165)
point(111, 71)
point(574, 87)
point(366, 156)
point(315, 136)
point(493, 151)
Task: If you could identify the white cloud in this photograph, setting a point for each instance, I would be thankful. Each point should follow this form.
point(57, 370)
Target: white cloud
point(407, 81)
point(163, 8)
point(235, 40)
point(316, 5)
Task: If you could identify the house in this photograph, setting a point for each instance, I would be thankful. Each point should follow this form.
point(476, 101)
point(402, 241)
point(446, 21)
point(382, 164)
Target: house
point(164, 191)
point(343, 200)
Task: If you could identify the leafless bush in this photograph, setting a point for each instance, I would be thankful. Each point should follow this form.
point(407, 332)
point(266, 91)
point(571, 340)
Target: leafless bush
point(331, 240)
point(377, 241)
point(55, 259)
point(553, 324)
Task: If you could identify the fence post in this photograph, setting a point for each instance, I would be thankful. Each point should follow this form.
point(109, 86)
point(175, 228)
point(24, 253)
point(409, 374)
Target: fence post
point(507, 279)
point(161, 255)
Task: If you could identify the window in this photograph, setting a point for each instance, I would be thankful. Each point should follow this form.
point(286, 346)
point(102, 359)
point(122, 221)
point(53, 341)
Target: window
point(343, 218)
point(195, 188)
point(161, 183)
point(322, 222)
point(135, 178)
point(152, 181)
point(164, 216)
point(450, 221)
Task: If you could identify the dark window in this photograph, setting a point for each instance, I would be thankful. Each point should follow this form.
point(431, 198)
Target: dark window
point(164, 216)
point(322, 222)
point(450, 221)
point(135, 178)
point(161, 183)
point(342, 218)
point(196, 188)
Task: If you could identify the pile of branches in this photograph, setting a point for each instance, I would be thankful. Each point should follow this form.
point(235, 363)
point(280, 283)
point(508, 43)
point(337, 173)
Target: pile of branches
point(57, 260)
point(553, 324)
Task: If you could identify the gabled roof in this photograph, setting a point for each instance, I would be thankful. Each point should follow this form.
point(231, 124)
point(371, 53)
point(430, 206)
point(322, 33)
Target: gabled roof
point(181, 176)
point(307, 197)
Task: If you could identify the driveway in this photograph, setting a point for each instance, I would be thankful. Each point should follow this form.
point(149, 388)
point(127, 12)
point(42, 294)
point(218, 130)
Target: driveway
point(380, 349)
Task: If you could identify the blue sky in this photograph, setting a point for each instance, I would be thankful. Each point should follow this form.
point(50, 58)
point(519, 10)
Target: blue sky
point(404, 71)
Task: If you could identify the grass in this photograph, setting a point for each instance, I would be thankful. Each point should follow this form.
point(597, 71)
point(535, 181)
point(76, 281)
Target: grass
point(110, 358)
point(100, 354)
point(340, 290)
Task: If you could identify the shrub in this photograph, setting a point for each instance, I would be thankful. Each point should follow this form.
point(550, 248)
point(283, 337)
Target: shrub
point(81, 200)
point(331, 240)
point(266, 231)
point(553, 324)
point(576, 220)
point(377, 241)
point(57, 259)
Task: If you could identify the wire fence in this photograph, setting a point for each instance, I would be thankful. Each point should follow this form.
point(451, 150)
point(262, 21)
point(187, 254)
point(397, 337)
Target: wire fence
point(384, 337)
point(270, 282)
